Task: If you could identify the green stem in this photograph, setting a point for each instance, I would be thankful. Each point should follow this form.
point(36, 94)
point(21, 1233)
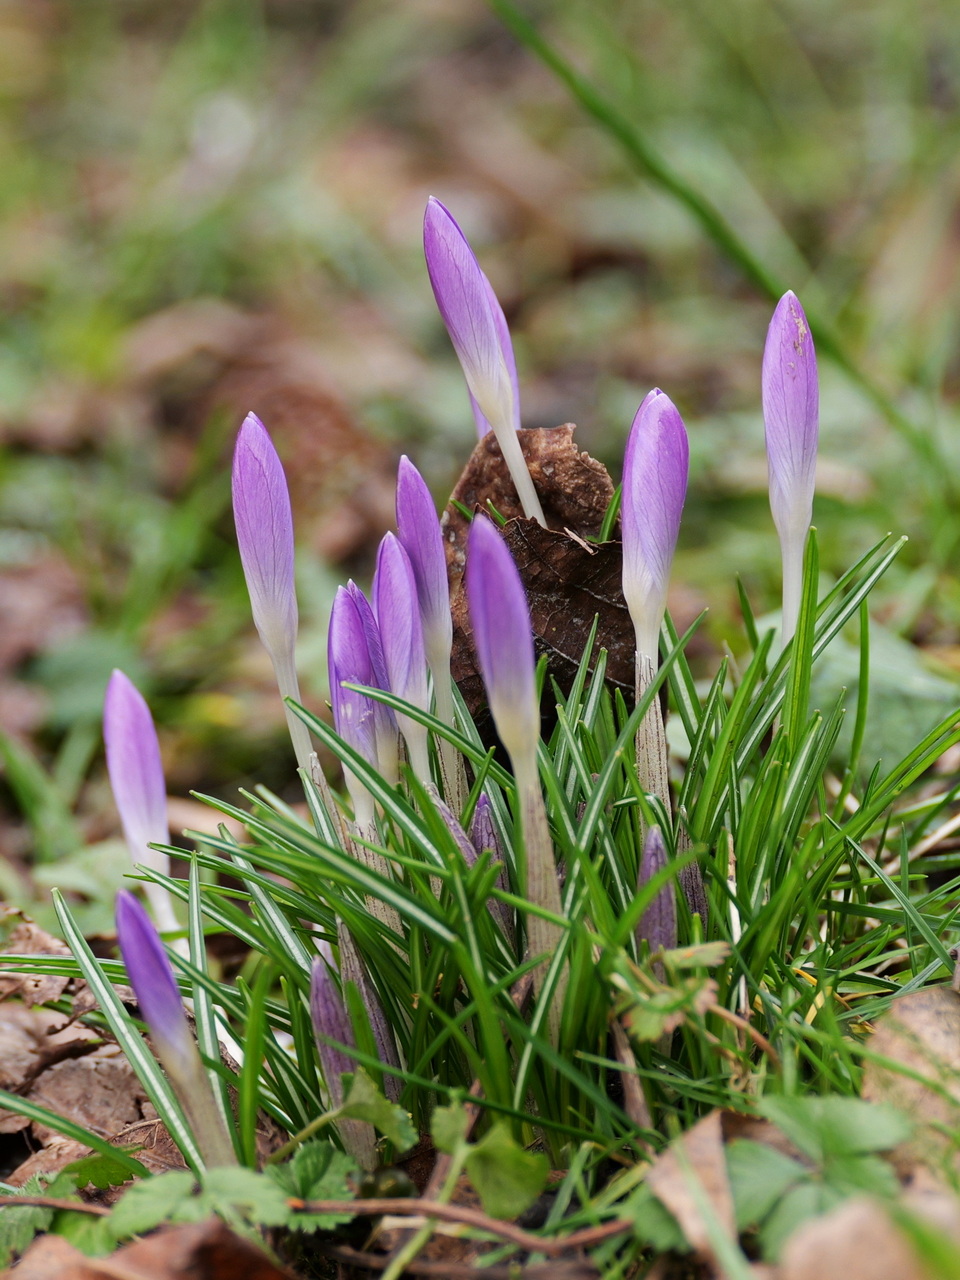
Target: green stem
point(405, 1256)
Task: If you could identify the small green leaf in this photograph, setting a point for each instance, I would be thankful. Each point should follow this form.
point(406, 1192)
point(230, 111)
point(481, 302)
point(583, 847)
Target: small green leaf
point(852, 1175)
point(364, 1101)
point(822, 1127)
point(233, 1193)
point(150, 1202)
point(807, 1200)
point(653, 1223)
point(759, 1176)
point(19, 1225)
point(448, 1127)
point(100, 1171)
point(92, 1236)
point(318, 1171)
point(507, 1178)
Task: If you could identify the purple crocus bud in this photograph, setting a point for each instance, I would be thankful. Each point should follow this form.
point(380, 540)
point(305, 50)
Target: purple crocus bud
point(386, 733)
point(353, 970)
point(154, 985)
point(791, 416)
point(261, 511)
point(478, 331)
point(483, 833)
point(139, 789)
point(474, 320)
point(503, 638)
point(150, 975)
point(330, 1019)
point(418, 529)
point(354, 714)
point(398, 617)
point(264, 521)
point(654, 487)
point(658, 924)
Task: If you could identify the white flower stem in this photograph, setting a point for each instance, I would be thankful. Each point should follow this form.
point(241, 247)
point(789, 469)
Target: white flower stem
point(791, 552)
point(653, 768)
point(520, 474)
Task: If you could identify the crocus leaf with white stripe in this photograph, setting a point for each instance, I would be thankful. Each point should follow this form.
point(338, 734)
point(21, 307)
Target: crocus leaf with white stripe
point(139, 789)
point(791, 417)
point(478, 331)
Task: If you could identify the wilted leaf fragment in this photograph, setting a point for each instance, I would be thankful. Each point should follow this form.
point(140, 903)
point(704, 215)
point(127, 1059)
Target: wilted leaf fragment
point(920, 1033)
point(856, 1241)
point(690, 1178)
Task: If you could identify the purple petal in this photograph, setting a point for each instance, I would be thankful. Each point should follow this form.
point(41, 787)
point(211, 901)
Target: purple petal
point(329, 1018)
point(474, 320)
point(483, 833)
point(418, 529)
point(135, 768)
point(398, 618)
point(791, 415)
point(385, 721)
point(502, 636)
point(151, 977)
point(264, 521)
point(654, 487)
point(658, 924)
point(348, 661)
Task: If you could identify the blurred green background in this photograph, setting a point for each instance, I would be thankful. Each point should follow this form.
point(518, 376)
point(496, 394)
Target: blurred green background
point(212, 207)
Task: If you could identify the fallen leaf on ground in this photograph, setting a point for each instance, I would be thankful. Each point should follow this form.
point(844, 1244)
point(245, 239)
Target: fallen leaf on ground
point(28, 939)
point(197, 1251)
point(856, 1241)
point(920, 1031)
point(690, 1178)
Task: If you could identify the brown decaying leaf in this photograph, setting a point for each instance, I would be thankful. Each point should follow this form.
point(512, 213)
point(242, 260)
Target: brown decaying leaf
point(856, 1241)
point(921, 1031)
point(567, 580)
point(28, 939)
point(195, 1251)
point(696, 1160)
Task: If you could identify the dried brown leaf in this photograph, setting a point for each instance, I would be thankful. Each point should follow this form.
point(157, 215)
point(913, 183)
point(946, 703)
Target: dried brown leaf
point(693, 1166)
point(921, 1032)
point(856, 1241)
point(28, 939)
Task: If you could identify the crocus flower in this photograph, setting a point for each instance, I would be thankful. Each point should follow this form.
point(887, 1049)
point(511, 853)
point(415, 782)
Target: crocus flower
point(478, 331)
point(158, 996)
point(352, 969)
point(422, 538)
point(658, 924)
point(139, 789)
point(502, 636)
point(654, 487)
point(264, 521)
point(791, 416)
point(330, 1019)
point(354, 714)
point(386, 733)
point(398, 617)
point(355, 718)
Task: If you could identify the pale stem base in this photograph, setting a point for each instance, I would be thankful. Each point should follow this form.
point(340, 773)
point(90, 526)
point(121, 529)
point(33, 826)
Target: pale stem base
point(791, 553)
point(365, 829)
point(451, 761)
point(542, 885)
point(520, 474)
point(653, 768)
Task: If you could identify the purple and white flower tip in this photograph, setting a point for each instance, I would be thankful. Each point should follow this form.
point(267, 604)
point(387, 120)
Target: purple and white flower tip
point(658, 924)
point(474, 320)
point(135, 769)
point(478, 331)
point(154, 985)
point(791, 416)
point(386, 733)
point(136, 779)
point(418, 530)
point(655, 469)
point(264, 521)
point(503, 638)
point(348, 662)
point(398, 617)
